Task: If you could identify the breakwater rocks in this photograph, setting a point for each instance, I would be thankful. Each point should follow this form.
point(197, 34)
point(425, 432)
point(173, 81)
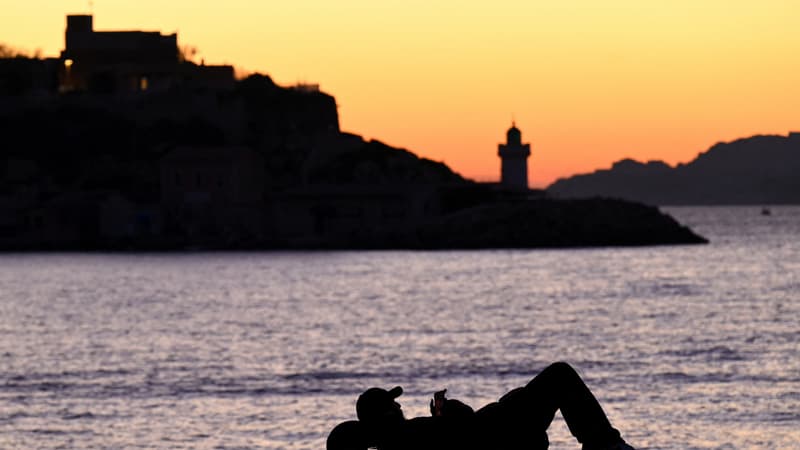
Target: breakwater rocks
point(525, 224)
point(508, 223)
point(558, 223)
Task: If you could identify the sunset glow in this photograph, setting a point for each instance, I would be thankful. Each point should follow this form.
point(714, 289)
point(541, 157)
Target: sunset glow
point(588, 83)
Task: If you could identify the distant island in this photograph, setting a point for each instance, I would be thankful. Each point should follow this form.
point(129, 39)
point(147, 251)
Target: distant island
point(759, 170)
point(123, 143)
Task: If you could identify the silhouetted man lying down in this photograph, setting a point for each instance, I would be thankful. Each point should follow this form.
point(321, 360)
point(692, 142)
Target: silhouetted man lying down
point(519, 420)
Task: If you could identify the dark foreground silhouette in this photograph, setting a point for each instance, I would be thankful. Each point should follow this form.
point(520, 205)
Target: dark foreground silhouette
point(518, 420)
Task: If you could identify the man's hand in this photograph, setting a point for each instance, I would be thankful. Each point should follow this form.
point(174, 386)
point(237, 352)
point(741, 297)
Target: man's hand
point(437, 403)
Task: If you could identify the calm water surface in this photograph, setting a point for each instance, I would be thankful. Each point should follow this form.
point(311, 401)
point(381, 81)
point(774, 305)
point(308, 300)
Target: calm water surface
point(687, 347)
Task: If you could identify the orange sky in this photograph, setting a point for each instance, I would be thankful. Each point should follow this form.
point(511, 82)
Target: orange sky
point(588, 82)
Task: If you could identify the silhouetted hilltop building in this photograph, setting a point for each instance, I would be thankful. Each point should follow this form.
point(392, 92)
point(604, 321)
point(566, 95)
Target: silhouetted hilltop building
point(129, 61)
point(84, 44)
point(514, 160)
point(110, 62)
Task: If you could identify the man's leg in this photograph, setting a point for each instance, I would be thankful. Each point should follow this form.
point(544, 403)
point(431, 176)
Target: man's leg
point(559, 387)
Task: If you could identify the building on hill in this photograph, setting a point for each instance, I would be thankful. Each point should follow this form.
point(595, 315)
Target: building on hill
point(514, 160)
point(83, 43)
point(129, 61)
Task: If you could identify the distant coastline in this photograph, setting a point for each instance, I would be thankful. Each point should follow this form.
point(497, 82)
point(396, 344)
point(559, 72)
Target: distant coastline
point(759, 170)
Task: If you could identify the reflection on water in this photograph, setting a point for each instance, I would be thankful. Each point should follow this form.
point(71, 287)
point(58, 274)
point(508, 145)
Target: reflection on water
point(686, 347)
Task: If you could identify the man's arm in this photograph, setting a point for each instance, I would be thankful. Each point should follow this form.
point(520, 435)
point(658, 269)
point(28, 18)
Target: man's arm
point(437, 403)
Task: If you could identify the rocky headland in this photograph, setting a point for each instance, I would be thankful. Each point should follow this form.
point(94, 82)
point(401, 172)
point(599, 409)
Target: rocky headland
point(250, 165)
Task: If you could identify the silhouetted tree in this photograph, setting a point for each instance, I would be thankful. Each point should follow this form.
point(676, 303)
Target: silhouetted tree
point(187, 53)
point(7, 51)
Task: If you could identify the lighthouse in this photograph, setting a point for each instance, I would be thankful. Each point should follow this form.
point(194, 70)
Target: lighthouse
point(514, 160)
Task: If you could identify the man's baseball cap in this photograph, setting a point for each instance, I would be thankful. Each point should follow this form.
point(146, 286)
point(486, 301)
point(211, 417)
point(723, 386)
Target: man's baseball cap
point(376, 401)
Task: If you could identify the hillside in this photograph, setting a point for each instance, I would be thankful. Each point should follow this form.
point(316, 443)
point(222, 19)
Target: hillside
point(260, 166)
point(754, 170)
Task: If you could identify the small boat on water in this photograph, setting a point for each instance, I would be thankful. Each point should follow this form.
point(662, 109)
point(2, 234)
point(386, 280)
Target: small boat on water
point(766, 212)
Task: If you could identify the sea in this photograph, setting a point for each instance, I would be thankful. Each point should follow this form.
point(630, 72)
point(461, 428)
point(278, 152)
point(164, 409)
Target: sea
point(686, 347)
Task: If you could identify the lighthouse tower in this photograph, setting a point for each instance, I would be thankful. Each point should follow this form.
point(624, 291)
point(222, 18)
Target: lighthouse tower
point(514, 160)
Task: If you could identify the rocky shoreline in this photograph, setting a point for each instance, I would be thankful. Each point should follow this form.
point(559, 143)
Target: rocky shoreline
point(509, 224)
point(526, 224)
